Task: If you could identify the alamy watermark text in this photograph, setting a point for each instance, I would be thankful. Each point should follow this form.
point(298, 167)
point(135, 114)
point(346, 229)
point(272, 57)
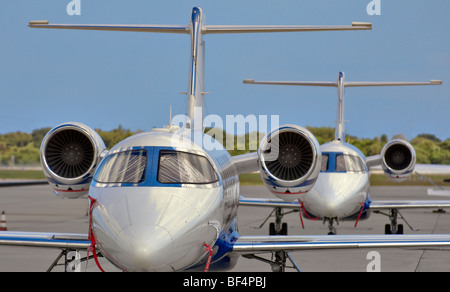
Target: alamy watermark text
point(74, 7)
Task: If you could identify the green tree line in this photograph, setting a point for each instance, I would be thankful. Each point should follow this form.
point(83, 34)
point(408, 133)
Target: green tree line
point(21, 148)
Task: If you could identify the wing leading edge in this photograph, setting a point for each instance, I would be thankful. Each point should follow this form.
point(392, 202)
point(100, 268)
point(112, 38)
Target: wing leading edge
point(375, 205)
point(247, 244)
point(261, 244)
point(74, 241)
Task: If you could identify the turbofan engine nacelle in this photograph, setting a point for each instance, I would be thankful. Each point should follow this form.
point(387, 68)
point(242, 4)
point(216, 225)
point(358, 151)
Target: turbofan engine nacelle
point(289, 161)
point(398, 159)
point(70, 153)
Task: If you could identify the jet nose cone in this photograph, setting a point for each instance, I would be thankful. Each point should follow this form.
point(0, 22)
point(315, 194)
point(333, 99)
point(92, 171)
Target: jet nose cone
point(151, 253)
point(330, 209)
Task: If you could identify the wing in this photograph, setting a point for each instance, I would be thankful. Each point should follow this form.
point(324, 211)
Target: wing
point(432, 169)
point(23, 183)
point(439, 192)
point(374, 163)
point(375, 205)
point(269, 203)
point(261, 244)
point(38, 239)
point(422, 204)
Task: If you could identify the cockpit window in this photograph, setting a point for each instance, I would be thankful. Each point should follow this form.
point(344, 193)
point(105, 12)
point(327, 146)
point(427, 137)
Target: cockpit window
point(342, 162)
point(184, 168)
point(349, 163)
point(123, 167)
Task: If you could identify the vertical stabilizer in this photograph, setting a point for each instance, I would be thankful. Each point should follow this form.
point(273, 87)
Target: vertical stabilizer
point(340, 129)
point(196, 100)
point(197, 28)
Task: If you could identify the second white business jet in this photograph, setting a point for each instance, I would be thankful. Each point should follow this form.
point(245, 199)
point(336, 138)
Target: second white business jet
point(341, 191)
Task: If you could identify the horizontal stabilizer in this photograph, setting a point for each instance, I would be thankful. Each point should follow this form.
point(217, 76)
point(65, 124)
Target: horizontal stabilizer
point(217, 29)
point(361, 84)
point(114, 27)
point(299, 83)
point(207, 29)
point(346, 84)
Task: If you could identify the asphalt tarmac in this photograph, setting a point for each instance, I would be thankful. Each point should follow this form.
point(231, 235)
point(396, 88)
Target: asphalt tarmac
point(35, 208)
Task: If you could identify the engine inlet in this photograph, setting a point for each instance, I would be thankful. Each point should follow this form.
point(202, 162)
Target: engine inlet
point(69, 153)
point(295, 156)
point(398, 157)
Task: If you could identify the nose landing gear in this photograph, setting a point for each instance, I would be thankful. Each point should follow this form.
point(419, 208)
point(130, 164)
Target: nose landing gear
point(278, 227)
point(394, 227)
point(278, 261)
point(331, 229)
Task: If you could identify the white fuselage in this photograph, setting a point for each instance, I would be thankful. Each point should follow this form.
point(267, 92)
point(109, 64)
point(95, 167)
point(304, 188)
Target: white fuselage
point(342, 187)
point(155, 225)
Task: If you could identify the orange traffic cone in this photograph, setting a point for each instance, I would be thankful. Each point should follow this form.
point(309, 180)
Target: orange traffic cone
point(3, 222)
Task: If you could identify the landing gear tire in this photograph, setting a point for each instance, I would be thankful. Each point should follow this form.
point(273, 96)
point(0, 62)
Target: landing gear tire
point(388, 229)
point(273, 229)
point(400, 229)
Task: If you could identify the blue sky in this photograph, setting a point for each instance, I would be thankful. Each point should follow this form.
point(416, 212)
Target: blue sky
point(104, 79)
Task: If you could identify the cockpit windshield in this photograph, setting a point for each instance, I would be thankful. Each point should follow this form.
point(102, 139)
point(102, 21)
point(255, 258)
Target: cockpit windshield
point(154, 166)
point(349, 163)
point(341, 162)
point(123, 167)
point(184, 168)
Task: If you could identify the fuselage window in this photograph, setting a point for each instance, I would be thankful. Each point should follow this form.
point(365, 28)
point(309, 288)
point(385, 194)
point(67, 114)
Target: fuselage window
point(123, 167)
point(185, 168)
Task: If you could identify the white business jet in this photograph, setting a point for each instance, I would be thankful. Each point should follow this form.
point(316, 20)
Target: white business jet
point(162, 202)
point(341, 191)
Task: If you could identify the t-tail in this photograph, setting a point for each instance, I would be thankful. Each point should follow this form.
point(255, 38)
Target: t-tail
point(340, 85)
point(196, 29)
